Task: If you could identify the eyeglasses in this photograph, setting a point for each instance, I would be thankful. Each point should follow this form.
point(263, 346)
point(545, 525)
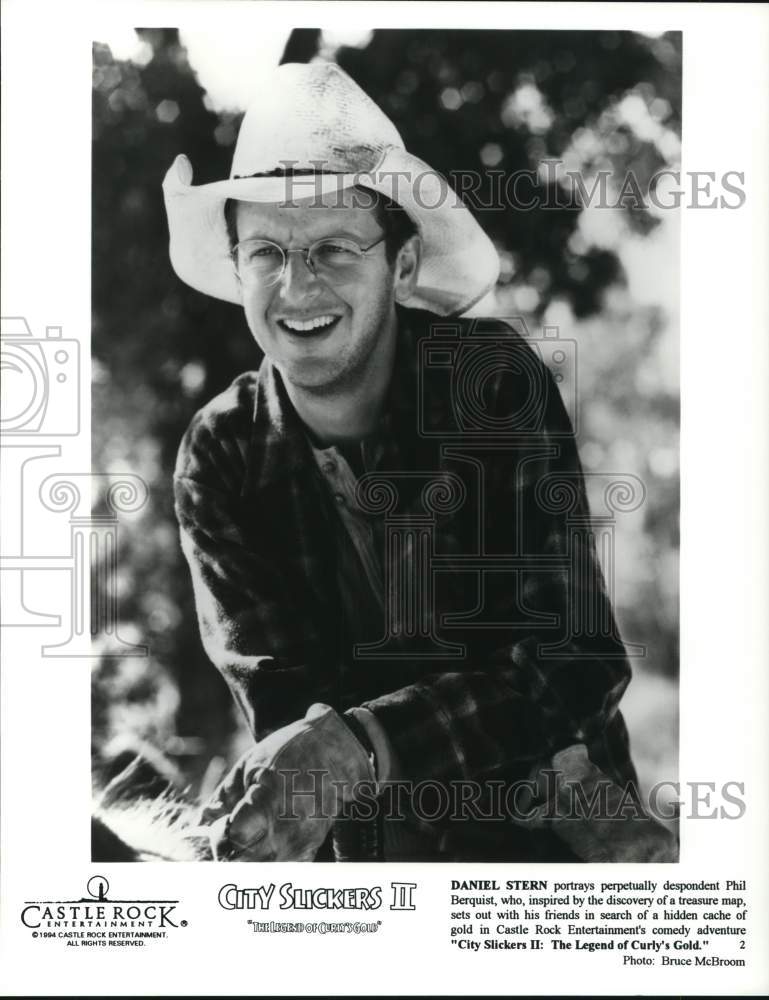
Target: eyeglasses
point(332, 258)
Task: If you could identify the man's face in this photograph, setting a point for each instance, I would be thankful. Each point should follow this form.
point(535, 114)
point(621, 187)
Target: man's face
point(321, 334)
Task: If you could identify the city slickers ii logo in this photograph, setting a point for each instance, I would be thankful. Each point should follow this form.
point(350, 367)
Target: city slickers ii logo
point(97, 920)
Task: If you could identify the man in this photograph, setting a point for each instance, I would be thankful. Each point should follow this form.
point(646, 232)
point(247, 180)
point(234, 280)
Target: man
point(389, 596)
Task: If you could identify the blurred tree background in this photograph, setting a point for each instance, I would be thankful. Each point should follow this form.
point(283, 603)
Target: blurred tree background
point(483, 101)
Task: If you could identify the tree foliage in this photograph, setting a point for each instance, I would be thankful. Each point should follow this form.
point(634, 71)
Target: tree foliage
point(469, 101)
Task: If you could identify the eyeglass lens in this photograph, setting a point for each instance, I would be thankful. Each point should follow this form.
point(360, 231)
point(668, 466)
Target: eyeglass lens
point(265, 262)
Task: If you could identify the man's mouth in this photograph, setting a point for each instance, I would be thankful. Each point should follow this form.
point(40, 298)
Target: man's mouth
point(312, 325)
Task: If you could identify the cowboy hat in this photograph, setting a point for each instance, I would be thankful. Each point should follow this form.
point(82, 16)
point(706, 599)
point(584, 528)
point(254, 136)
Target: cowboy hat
point(313, 131)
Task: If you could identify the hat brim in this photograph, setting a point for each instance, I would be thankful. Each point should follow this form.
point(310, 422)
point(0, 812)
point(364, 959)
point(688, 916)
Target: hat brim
point(459, 262)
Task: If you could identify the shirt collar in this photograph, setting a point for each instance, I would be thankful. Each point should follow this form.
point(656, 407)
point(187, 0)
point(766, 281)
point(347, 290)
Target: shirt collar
point(278, 446)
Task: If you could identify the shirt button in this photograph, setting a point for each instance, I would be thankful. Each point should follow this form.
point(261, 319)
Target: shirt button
point(339, 498)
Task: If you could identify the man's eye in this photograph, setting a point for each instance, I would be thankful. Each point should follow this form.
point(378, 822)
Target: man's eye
point(336, 251)
point(261, 251)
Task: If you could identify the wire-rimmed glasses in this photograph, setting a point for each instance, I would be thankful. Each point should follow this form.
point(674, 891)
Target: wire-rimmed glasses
point(264, 262)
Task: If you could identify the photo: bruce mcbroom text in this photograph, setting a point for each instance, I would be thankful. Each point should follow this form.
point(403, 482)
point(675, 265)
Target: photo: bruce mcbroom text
point(670, 923)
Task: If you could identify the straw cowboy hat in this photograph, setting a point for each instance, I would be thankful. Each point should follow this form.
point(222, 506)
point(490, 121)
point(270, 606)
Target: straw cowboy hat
point(315, 124)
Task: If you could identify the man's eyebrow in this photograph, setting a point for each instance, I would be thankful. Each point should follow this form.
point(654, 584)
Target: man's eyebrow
point(341, 233)
point(348, 233)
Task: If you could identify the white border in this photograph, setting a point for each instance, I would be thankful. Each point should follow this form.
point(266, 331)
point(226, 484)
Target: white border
point(724, 688)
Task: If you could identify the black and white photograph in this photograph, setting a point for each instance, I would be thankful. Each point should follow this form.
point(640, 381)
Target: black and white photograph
point(396, 358)
point(383, 537)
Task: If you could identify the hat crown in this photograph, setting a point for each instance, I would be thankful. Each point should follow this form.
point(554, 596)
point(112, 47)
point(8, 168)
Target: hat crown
point(312, 116)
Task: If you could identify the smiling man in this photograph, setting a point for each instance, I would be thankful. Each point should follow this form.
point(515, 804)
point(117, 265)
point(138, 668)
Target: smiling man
point(325, 313)
point(390, 597)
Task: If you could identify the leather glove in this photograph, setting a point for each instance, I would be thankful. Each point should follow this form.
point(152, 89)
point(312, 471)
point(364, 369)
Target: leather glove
point(612, 829)
point(280, 800)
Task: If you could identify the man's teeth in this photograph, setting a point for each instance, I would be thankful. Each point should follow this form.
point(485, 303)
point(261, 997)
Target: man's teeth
point(302, 326)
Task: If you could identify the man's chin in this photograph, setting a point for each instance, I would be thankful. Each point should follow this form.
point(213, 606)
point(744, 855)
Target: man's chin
point(311, 374)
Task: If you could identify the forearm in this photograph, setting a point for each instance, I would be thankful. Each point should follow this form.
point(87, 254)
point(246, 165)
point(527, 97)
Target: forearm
point(502, 719)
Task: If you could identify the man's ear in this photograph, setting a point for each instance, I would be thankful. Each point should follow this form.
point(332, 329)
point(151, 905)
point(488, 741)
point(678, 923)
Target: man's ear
point(407, 268)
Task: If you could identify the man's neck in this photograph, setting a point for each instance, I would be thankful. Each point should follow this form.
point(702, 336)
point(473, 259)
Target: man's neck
point(351, 412)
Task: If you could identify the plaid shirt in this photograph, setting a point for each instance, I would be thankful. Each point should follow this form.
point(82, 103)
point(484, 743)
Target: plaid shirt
point(501, 648)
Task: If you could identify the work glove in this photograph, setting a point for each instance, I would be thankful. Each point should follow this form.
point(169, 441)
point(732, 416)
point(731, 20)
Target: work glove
point(280, 800)
point(613, 829)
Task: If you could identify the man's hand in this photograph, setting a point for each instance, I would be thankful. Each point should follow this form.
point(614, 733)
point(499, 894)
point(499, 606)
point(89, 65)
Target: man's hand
point(596, 818)
point(281, 798)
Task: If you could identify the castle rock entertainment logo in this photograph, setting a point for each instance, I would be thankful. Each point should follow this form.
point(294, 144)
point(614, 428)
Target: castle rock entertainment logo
point(95, 920)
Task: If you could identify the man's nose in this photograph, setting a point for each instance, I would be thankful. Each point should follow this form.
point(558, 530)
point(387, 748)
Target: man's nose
point(297, 277)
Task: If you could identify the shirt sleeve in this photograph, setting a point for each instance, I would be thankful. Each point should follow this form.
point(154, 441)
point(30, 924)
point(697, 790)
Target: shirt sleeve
point(253, 614)
point(520, 702)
